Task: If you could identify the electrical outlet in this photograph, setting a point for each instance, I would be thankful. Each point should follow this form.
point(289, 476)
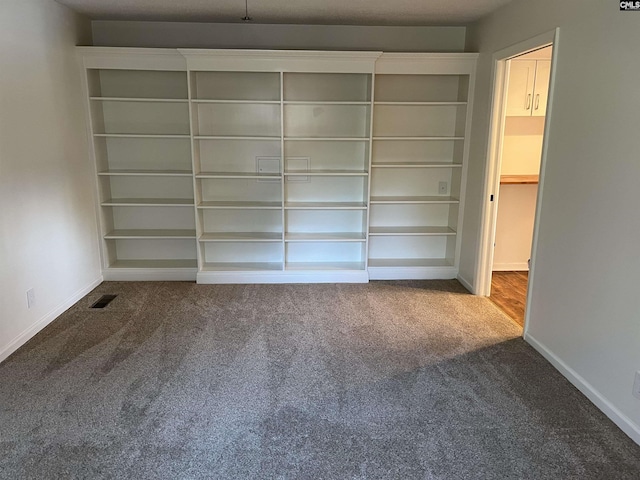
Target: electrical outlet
point(31, 298)
point(443, 188)
point(636, 385)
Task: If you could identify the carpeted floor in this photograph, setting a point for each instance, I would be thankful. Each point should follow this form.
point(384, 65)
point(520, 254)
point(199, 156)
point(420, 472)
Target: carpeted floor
point(390, 380)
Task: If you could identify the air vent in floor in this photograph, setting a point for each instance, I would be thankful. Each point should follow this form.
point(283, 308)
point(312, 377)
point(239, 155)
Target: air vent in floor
point(103, 301)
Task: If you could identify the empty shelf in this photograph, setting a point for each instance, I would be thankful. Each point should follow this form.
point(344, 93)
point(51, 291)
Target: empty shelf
point(241, 266)
point(147, 173)
point(327, 173)
point(241, 237)
point(325, 266)
point(141, 135)
point(139, 99)
point(432, 199)
point(327, 139)
point(409, 104)
point(245, 102)
point(325, 237)
point(242, 205)
point(248, 175)
point(190, 264)
point(409, 262)
point(415, 165)
point(166, 233)
point(411, 231)
point(236, 137)
point(325, 102)
point(148, 202)
point(325, 206)
point(427, 138)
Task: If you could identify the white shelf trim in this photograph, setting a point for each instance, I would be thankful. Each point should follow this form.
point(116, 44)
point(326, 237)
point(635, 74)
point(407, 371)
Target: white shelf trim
point(149, 233)
point(139, 99)
point(147, 173)
point(401, 199)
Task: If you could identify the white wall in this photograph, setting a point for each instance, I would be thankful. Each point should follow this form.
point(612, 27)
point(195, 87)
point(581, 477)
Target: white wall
point(310, 37)
point(514, 227)
point(521, 151)
point(47, 218)
point(584, 315)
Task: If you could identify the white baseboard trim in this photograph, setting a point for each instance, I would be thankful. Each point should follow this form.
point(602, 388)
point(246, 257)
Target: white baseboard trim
point(466, 284)
point(149, 274)
point(510, 267)
point(283, 277)
point(412, 273)
point(26, 335)
point(629, 427)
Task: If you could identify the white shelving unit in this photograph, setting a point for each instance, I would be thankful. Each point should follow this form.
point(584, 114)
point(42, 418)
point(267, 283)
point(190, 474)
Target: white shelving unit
point(140, 129)
point(420, 130)
point(242, 166)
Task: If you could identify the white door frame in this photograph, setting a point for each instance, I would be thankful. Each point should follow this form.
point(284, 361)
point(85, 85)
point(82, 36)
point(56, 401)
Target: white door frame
point(494, 148)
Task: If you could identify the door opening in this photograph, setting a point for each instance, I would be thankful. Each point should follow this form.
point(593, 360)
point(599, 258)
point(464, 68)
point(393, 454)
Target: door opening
point(515, 173)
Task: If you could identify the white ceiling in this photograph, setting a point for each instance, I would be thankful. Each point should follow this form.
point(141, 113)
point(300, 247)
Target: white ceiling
point(328, 12)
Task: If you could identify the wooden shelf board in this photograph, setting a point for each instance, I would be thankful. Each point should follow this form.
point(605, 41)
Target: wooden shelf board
point(241, 266)
point(248, 175)
point(314, 266)
point(236, 137)
point(139, 99)
point(416, 165)
point(327, 173)
point(325, 206)
point(426, 138)
point(242, 205)
point(436, 231)
point(241, 237)
point(325, 237)
point(141, 135)
point(432, 199)
point(409, 104)
point(148, 202)
point(187, 263)
point(149, 233)
point(238, 102)
point(519, 179)
point(409, 262)
point(147, 173)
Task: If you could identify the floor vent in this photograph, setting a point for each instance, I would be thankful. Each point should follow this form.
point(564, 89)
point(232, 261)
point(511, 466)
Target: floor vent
point(103, 301)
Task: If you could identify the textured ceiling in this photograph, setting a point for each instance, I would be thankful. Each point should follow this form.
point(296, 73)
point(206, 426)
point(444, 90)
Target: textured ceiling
point(328, 12)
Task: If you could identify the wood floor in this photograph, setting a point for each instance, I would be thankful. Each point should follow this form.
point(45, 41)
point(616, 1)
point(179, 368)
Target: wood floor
point(509, 292)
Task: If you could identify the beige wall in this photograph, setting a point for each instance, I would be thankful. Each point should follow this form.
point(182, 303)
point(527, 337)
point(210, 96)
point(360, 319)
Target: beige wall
point(47, 218)
point(309, 37)
point(584, 311)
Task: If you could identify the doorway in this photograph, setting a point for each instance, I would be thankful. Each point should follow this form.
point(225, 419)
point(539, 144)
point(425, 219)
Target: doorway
point(515, 173)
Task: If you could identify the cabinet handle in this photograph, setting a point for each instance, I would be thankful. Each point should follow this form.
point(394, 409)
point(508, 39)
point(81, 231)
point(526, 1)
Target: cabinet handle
point(528, 102)
point(537, 101)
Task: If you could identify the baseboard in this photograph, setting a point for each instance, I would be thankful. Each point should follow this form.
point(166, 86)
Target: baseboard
point(149, 274)
point(629, 427)
point(25, 336)
point(510, 267)
point(412, 273)
point(466, 284)
point(336, 276)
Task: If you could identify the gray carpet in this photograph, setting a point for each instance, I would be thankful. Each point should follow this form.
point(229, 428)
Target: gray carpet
point(390, 380)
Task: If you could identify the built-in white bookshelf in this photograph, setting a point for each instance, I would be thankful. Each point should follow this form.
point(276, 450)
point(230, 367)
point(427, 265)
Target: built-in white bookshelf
point(420, 129)
point(277, 166)
point(141, 137)
point(327, 130)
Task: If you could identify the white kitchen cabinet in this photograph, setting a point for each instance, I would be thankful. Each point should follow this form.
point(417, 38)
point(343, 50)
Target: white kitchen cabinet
point(528, 87)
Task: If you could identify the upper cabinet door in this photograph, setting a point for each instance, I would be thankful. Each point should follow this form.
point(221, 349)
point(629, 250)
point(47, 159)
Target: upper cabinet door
point(541, 90)
point(522, 75)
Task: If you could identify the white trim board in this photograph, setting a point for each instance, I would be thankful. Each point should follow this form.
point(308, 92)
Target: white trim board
point(625, 424)
point(49, 317)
